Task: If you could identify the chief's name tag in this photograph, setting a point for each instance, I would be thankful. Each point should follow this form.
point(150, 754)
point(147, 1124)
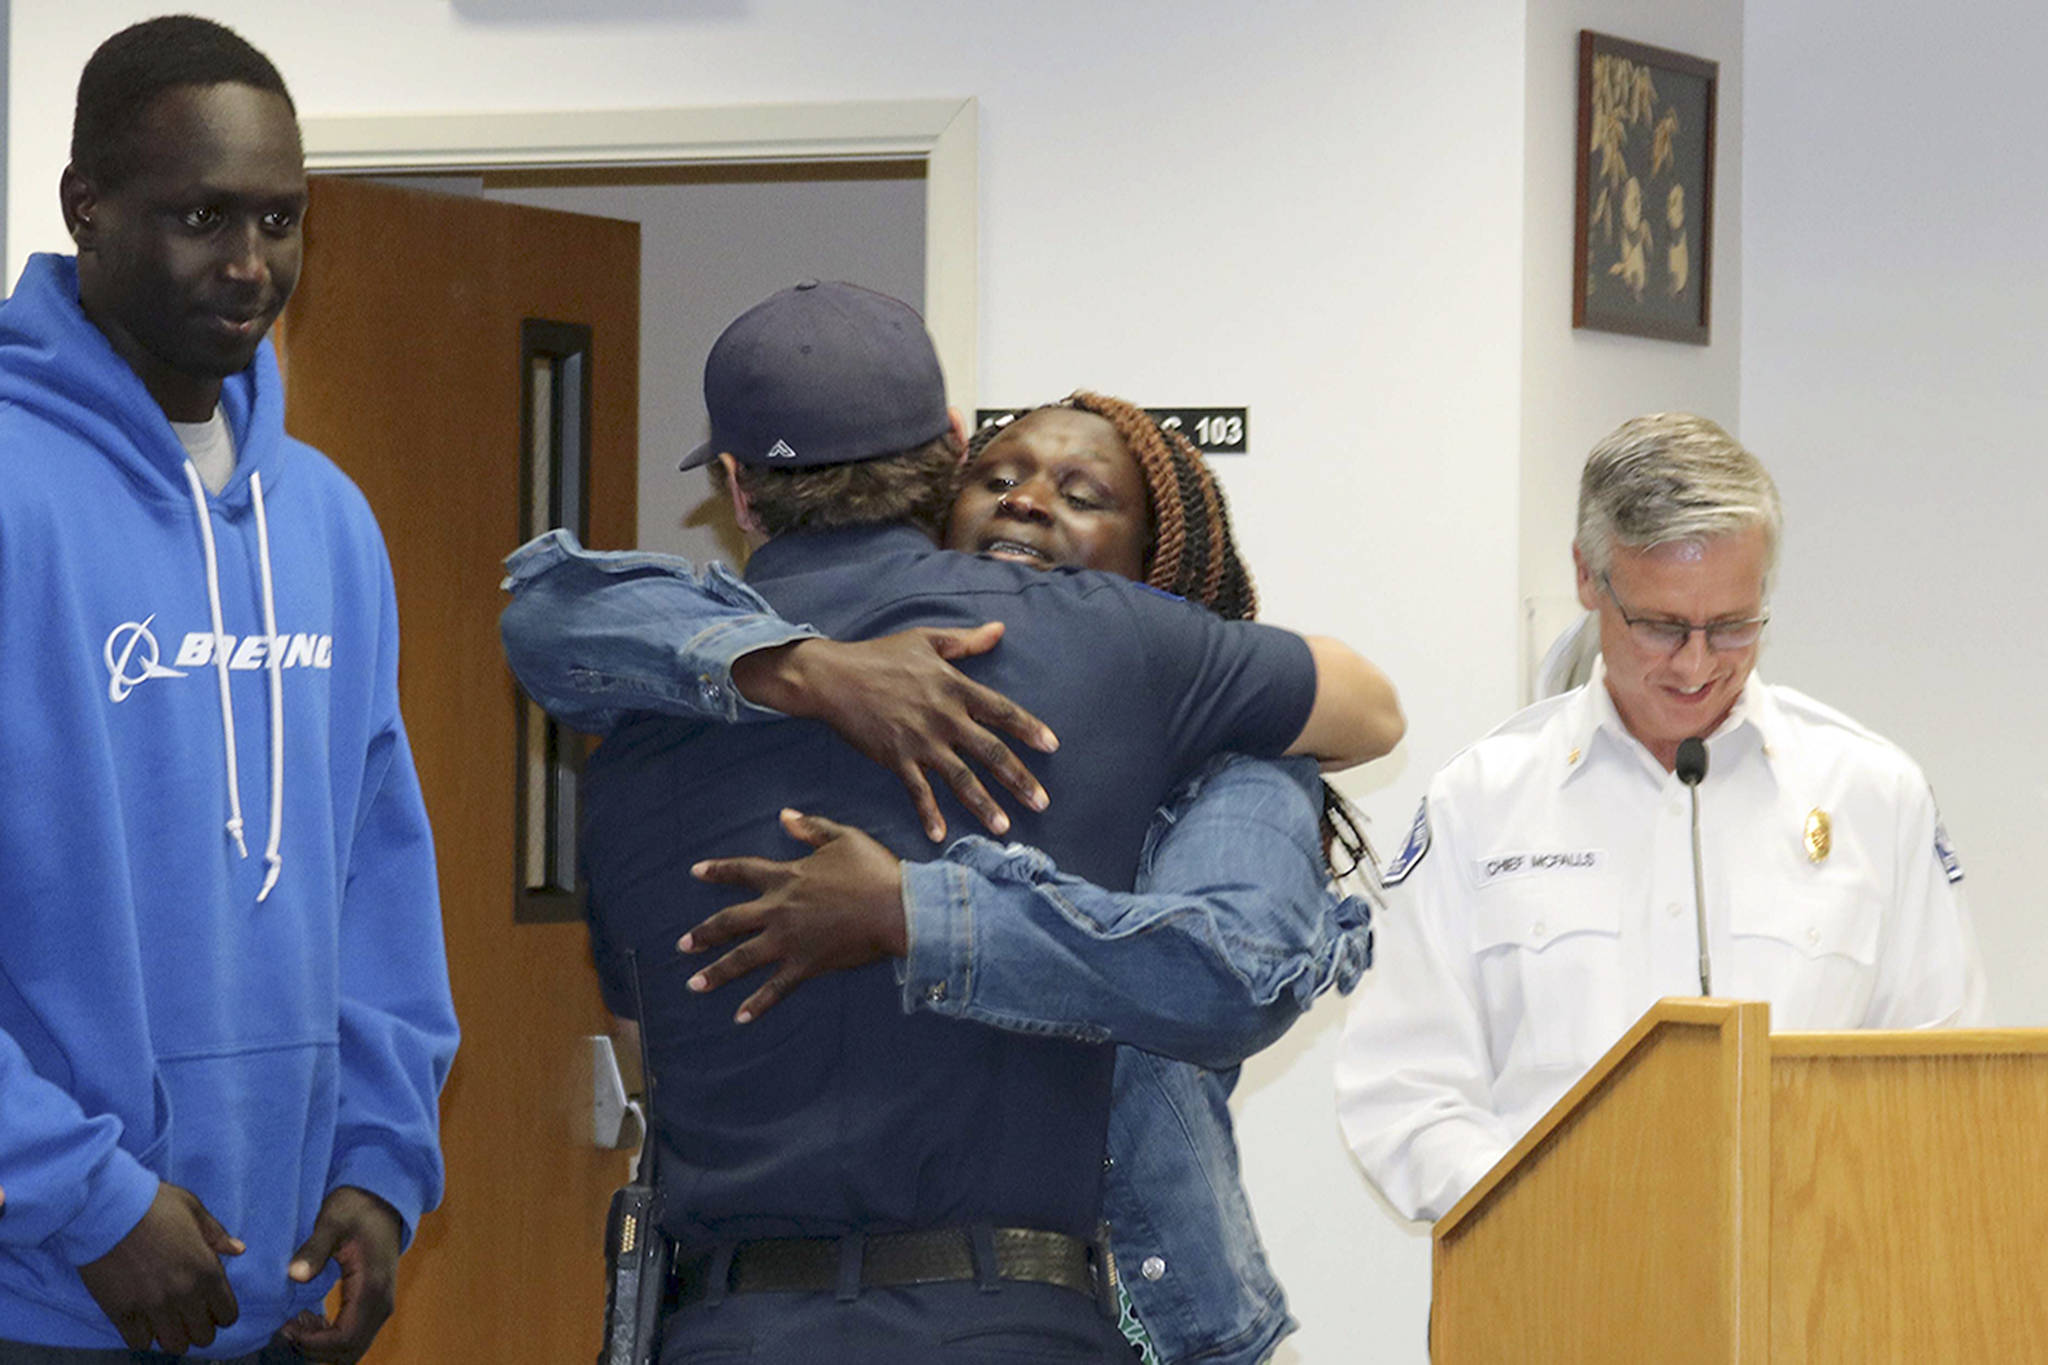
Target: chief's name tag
point(1502, 866)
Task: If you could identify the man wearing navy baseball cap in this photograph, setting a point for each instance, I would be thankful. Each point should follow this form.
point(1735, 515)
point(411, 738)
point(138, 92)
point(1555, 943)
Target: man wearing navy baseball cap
point(822, 374)
point(843, 1179)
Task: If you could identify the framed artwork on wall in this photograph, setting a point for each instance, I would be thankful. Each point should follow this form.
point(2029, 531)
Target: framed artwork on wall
point(1645, 190)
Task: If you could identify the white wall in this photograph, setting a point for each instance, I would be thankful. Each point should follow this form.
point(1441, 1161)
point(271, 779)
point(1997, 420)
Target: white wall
point(1579, 385)
point(1311, 207)
point(1895, 379)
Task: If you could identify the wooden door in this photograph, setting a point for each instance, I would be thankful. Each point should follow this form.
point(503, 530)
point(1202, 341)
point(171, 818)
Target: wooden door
point(404, 362)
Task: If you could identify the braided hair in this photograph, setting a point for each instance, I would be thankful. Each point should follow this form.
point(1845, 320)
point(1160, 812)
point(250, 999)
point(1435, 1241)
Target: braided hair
point(1192, 554)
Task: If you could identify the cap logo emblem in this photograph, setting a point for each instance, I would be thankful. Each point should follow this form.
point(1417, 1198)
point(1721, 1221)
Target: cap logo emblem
point(779, 451)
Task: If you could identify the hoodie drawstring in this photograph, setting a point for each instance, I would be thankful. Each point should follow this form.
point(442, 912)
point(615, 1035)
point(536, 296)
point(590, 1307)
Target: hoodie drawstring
point(271, 855)
point(273, 860)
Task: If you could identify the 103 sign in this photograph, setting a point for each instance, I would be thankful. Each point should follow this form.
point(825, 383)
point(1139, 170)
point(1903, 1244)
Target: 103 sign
point(1213, 431)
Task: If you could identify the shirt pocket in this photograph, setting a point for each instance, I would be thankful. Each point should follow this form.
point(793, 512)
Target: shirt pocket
point(1551, 960)
point(1811, 952)
point(1813, 923)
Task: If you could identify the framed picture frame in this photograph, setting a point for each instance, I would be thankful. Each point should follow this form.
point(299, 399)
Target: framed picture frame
point(1644, 233)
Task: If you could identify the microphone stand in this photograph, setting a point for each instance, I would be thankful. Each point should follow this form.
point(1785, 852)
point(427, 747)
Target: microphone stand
point(1691, 768)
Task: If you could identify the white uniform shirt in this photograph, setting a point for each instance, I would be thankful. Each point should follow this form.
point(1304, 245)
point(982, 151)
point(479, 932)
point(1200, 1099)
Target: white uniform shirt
point(1553, 904)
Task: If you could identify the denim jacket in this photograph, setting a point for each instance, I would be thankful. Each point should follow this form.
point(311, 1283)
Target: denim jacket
point(594, 635)
point(1233, 932)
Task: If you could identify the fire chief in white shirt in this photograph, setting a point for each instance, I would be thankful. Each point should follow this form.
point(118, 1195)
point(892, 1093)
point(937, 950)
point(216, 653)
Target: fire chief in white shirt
point(1547, 893)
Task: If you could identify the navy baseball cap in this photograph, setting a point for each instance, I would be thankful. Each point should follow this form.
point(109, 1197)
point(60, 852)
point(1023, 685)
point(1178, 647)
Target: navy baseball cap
point(822, 374)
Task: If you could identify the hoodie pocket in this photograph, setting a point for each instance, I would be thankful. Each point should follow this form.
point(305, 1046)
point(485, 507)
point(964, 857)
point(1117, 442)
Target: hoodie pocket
point(154, 1153)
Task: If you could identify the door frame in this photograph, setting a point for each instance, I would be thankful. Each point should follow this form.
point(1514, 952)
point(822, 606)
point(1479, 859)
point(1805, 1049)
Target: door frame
point(940, 132)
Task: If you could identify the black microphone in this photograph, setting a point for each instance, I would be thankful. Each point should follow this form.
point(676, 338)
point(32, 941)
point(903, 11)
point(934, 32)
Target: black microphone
point(1691, 765)
point(1691, 769)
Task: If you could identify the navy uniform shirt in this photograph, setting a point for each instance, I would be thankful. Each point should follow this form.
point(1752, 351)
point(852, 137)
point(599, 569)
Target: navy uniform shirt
point(835, 1110)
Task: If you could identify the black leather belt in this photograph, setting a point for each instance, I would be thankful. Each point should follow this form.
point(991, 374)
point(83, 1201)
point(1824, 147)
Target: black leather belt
point(894, 1259)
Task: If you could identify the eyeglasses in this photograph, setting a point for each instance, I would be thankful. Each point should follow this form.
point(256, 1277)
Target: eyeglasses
point(1661, 635)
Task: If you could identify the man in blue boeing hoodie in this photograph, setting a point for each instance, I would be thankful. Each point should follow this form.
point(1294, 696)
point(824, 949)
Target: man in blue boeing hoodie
point(224, 1007)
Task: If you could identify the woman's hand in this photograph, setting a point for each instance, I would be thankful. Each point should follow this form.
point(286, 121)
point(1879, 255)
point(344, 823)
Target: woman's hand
point(840, 906)
point(899, 700)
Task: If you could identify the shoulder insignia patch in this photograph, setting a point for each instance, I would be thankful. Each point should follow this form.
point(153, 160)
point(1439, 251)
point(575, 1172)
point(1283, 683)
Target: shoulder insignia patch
point(1412, 851)
point(1945, 854)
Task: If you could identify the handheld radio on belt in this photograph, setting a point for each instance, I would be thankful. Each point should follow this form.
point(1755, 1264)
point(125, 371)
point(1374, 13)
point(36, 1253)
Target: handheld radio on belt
point(636, 1252)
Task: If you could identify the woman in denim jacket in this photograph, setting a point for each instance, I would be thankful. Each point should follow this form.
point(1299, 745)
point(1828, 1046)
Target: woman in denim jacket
point(1236, 924)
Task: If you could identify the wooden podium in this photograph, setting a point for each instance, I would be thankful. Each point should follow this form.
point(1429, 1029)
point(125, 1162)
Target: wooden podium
point(1711, 1192)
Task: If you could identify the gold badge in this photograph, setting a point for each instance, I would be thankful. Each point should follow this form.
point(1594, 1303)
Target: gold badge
point(1819, 835)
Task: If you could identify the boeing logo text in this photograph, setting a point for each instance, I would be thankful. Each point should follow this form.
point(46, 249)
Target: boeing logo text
point(133, 656)
point(253, 651)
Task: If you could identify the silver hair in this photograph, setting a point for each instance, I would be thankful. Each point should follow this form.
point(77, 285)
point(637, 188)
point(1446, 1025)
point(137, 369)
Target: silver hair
point(1672, 477)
